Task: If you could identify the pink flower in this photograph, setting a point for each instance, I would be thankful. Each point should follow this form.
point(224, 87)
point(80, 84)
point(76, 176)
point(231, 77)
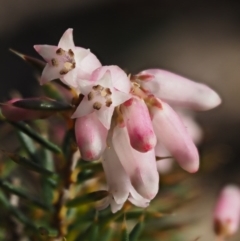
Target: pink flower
point(66, 61)
point(108, 87)
point(171, 132)
point(91, 137)
point(140, 167)
point(139, 125)
point(194, 131)
point(177, 90)
point(227, 211)
point(119, 185)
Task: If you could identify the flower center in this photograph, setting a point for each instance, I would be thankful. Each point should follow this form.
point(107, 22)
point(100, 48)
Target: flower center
point(100, 96)
point(65, 59)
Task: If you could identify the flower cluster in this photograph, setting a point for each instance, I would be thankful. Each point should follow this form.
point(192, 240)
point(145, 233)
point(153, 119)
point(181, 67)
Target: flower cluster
point(127, 120)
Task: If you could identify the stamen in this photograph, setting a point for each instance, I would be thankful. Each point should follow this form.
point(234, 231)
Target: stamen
point(97, 106)
point(60, 51)
point(108, 102)
point(108, 91)
point(90, 96)
point(70, 52)
point(63, 71)
point(69, 66)
point(54, 62)
point(97, 87)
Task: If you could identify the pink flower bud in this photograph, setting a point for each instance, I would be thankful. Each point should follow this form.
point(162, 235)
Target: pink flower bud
point(139, 125)
point(177, 90)
point(227, 211)
point(91, 136)
point(171, 132)
point(14, 113)
point(140, 167)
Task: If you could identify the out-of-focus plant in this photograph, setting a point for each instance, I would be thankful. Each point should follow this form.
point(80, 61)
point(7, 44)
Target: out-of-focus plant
point(94, 138)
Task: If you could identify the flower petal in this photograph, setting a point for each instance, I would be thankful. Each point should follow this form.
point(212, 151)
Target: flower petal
point(105, 115)
point(119, 78)
point(91, 137)
point(66, 41)
point(90, 63)
point(49, 73)
point(193, 128)
point(177, 90)
point(172, 133)
point(137, 200)
point(140, 167)
point(84, 108)
point(70, 78)
point(117, 179)
point(114, 206)
point(48, 52)
point(139, 125)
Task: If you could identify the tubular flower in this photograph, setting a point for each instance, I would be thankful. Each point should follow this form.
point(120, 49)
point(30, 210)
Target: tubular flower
point(119, 185)
point(66, 61)
point(91, 136)
point(177, 90)
point(172, 133)
point(227, 211)
point(139, 125)
point(101, 95)
point(140, 167)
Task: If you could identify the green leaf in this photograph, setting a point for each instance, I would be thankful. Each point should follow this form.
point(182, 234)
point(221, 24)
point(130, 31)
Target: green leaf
point(136, 231)
point(85, 175)
point(35, 136)
point(21, 193)
point(47, 182)
point(88, 198)
point(28, 164)
point(107, 233)
point(43, 103)
point(124, 231)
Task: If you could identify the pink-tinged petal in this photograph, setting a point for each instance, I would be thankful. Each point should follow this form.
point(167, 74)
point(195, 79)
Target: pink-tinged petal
point(120, 97)
point(90, 63)
point(66, 41)
point(114, 206)
point(91, 137)
point(119, 78)
point(117, 179)
point(139, 125)
point(80, 54)
point(181, 91)
point(49, 73)
point(193, 128)
point(84, 108)
point(48, 52)
point(227, 211)
point(164, 166)
point(171, 132)
point(137, 200)
point(14, 113)
point(103, 203)
point(105, 116)
point(161, 151)
point(70, 78)
point(140, 167)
